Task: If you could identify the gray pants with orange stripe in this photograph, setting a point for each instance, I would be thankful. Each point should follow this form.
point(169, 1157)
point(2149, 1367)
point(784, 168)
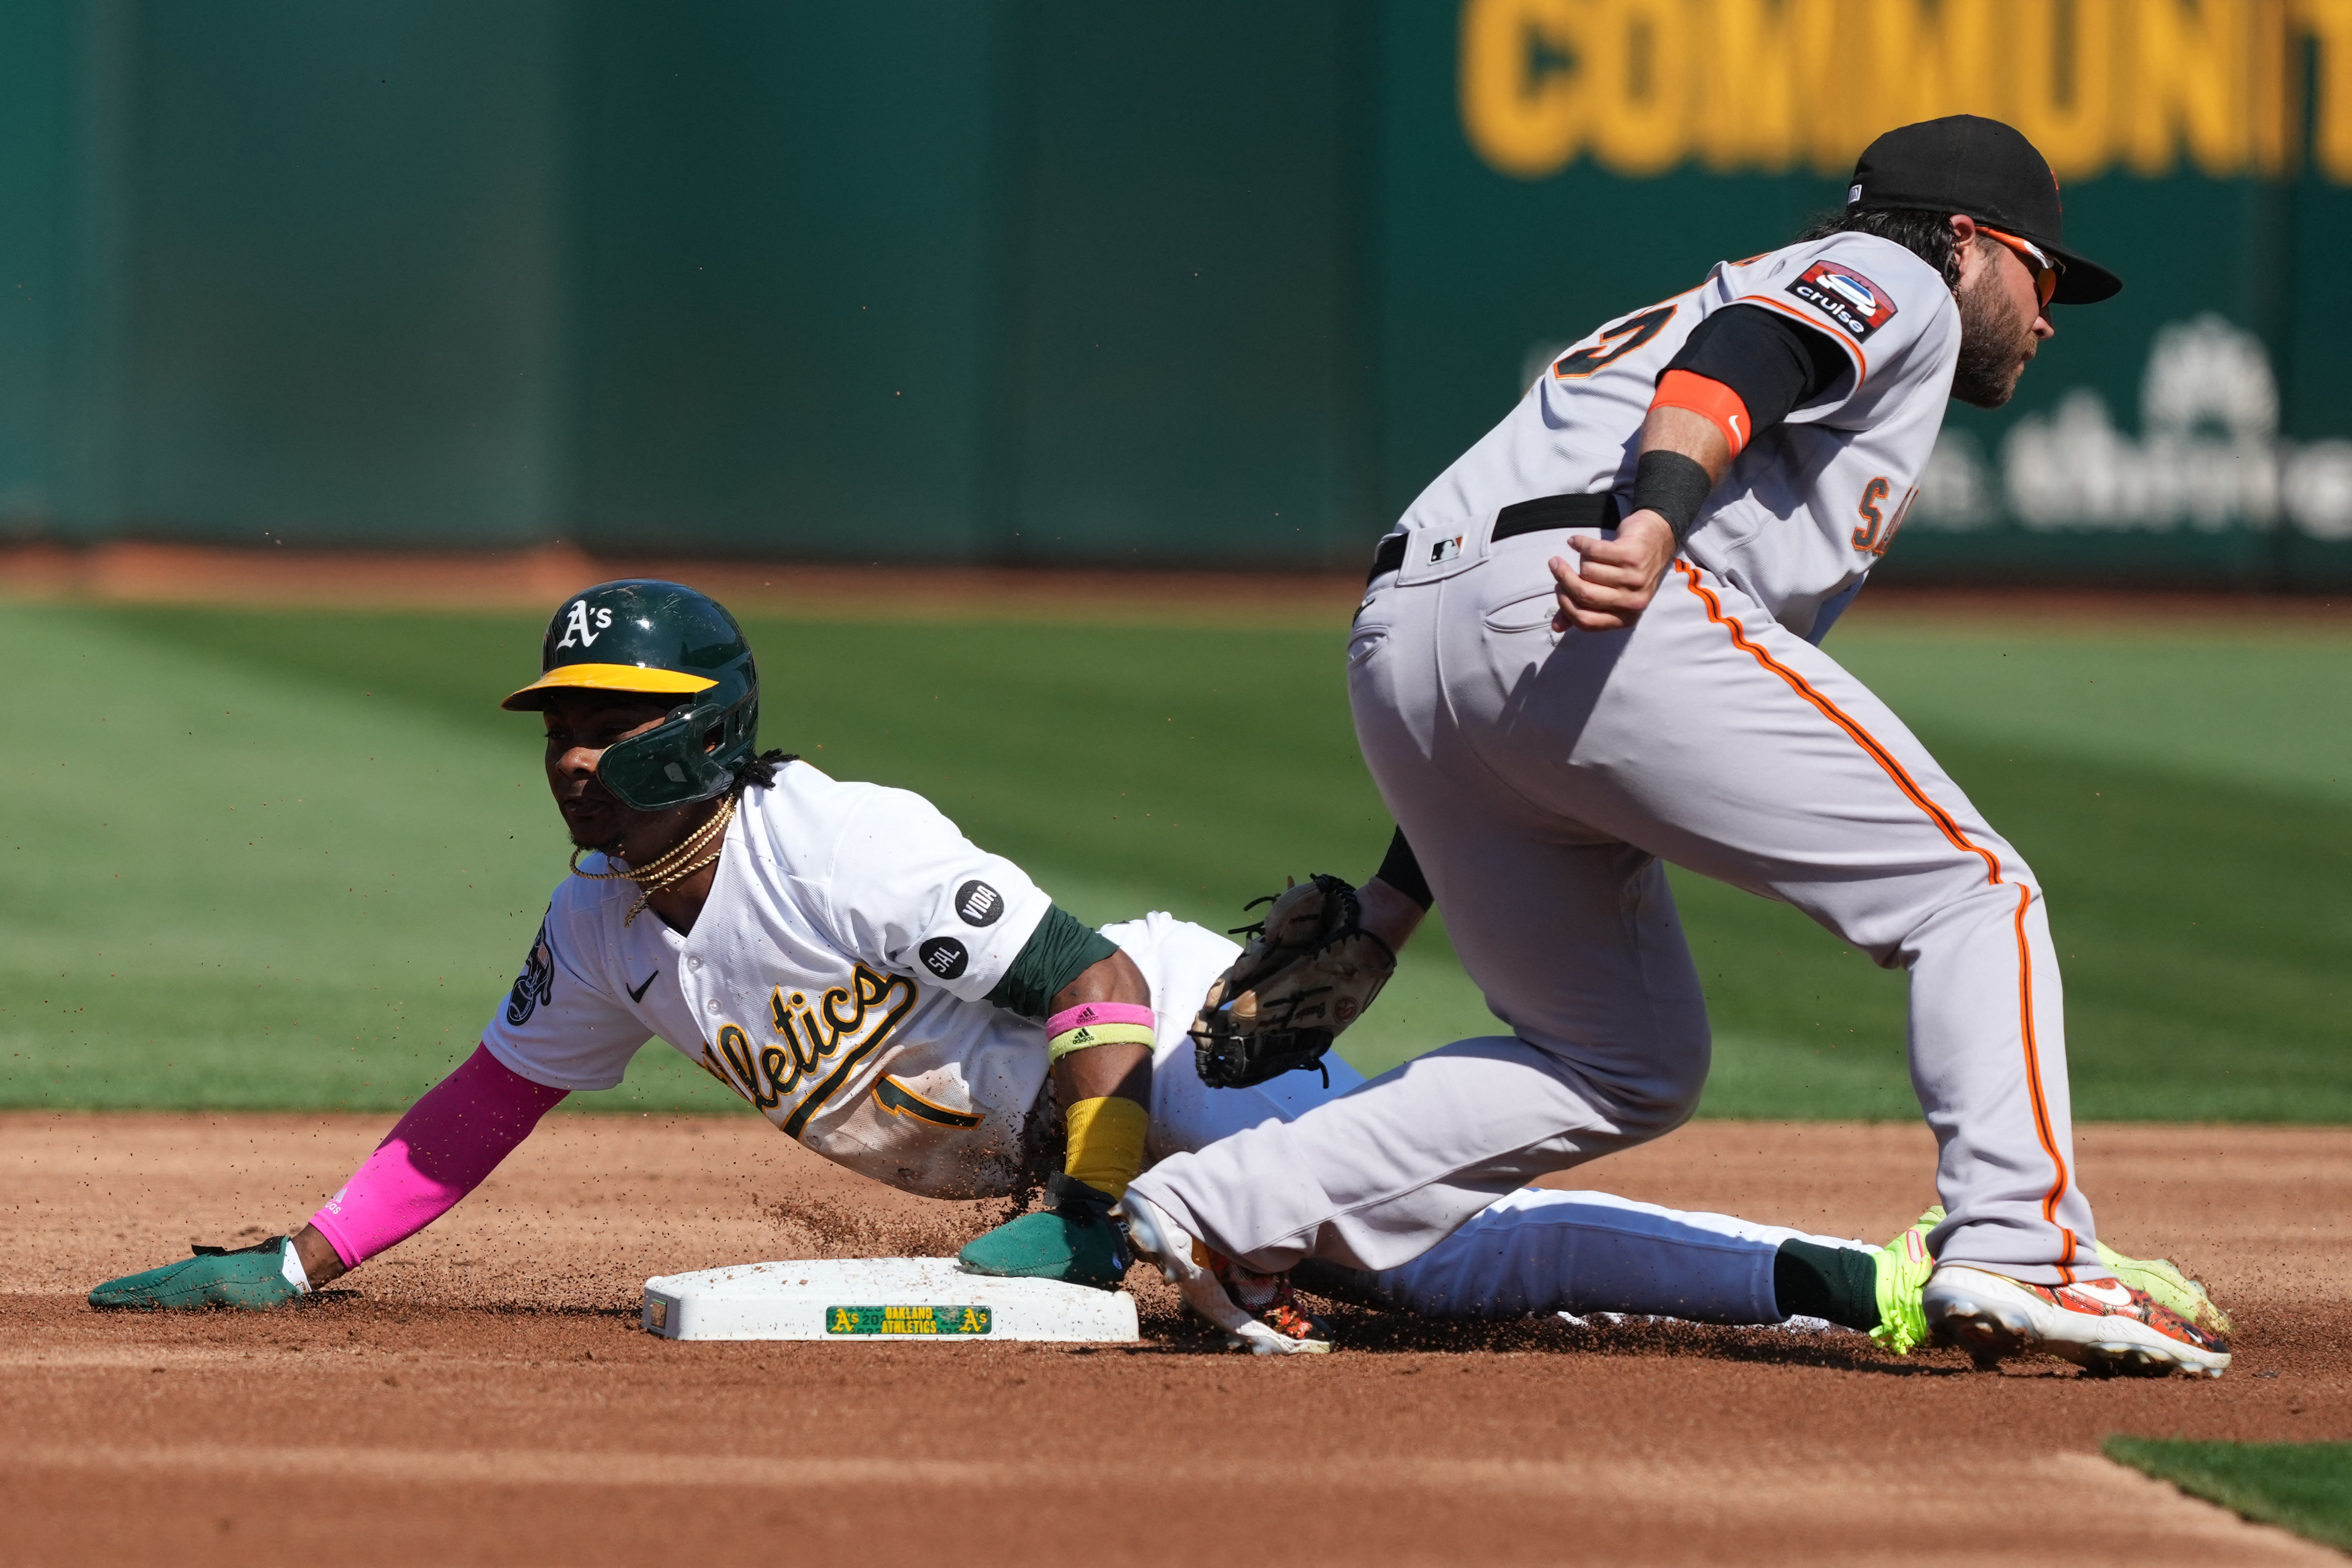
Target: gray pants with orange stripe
point(1541, 779)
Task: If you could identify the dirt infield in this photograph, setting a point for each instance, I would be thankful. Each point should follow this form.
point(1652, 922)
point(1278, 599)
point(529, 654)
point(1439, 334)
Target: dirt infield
point(482, 1395)
point(533, 579)
point(139, 573)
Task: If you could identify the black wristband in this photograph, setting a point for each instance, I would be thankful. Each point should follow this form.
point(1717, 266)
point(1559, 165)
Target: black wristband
point(1673, 486)
point(1399, 870)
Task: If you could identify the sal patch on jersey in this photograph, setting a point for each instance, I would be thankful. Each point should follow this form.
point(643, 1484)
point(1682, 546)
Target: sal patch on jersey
point(1856, 304)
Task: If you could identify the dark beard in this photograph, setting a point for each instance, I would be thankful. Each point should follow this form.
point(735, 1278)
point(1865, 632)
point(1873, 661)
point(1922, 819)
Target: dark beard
point(1995, 344)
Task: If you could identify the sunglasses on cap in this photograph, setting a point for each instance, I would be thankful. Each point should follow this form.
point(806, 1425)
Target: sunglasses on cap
point(2044, 271)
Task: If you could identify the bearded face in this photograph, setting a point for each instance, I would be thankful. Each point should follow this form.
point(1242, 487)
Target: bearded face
point(1997, 338)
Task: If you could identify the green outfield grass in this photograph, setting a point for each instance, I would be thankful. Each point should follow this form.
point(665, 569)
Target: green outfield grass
point(2302, 1486)
point(265, 859)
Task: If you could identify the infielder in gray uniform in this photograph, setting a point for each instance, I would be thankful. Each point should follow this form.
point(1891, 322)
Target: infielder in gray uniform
point(1549, 726)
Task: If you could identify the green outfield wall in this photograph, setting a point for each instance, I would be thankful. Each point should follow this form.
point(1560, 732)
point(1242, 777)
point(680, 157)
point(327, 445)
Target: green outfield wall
point(1034, 280)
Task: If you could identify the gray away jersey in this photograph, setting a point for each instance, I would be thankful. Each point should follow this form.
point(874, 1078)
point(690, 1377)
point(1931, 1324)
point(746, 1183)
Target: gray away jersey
point(1809, 507)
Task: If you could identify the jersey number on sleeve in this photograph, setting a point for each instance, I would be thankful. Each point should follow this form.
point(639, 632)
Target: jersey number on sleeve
point(1617, 341)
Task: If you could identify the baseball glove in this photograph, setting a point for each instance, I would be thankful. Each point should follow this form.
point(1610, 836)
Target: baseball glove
point(1310, 969)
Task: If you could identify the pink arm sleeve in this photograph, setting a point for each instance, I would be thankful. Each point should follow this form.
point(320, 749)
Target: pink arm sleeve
point(436, 1153)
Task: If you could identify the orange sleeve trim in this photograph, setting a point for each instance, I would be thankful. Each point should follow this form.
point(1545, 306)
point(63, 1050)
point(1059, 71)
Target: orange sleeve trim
point(1710, 400)
point(2030, 1048)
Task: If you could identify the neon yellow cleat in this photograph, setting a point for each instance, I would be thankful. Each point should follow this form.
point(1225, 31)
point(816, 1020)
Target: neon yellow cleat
point(1903, 1266)
point(2171, 1289)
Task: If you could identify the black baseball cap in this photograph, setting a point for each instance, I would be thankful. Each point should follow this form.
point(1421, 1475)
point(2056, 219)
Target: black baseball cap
point(1964, 163)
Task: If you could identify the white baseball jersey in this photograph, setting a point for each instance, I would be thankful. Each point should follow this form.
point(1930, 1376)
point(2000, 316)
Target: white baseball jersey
point(1811, 504)
point(837, 978)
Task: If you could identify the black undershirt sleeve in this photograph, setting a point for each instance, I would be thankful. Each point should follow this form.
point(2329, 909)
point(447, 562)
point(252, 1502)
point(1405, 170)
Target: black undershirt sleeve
point(1402, 871)
point(1058, 951)
point(1773, 362)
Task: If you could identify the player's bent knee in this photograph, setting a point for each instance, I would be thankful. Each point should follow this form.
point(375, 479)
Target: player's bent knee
point(1666, 1094)
point(1983, 907)
point(1656, 1117)
point(1684, 1062)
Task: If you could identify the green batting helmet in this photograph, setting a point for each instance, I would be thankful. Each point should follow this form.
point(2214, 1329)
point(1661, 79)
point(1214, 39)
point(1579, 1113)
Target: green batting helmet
point(662, 639)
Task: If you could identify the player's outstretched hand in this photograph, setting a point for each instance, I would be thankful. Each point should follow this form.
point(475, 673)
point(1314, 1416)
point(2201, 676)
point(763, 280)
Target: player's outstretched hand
point(1614, 579)
point(250, 1276)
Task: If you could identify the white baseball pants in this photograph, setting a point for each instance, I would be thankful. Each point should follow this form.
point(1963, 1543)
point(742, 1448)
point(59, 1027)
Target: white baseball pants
point(1541, 778)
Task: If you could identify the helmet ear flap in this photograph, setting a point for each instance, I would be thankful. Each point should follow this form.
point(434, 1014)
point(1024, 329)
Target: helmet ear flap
point(669, 765)
point(691, 755)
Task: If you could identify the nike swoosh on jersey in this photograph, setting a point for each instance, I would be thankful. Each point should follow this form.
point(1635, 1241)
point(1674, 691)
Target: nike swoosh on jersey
point(637, 992)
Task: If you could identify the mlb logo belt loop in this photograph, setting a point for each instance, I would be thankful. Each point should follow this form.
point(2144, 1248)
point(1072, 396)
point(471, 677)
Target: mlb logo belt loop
point(1537, 516)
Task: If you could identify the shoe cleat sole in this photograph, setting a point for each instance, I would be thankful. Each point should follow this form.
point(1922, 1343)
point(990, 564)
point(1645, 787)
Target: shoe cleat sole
point(2131, 1361)
point(1991, 1328)
point(1985, 1331)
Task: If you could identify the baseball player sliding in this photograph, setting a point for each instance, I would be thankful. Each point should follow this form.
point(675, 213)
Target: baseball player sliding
point(917, 1009)
point(1723, 469)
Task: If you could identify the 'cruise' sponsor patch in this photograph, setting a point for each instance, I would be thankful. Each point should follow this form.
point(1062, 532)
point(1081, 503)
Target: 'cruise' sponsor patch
point(1845, 296)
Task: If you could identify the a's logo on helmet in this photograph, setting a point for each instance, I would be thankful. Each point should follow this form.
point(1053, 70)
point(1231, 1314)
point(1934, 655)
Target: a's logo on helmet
point(575, 625)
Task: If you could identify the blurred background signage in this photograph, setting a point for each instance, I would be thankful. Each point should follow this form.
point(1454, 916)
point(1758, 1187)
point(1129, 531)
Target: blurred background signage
point(1041, 281)
point(1765, 86)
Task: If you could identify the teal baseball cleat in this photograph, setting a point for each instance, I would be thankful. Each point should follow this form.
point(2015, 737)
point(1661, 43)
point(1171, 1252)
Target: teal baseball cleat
point(1076, 1241)
point(253, 1278)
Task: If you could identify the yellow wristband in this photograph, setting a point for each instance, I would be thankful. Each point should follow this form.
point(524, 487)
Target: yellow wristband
point(1106, 1146)
point(1090, 1035)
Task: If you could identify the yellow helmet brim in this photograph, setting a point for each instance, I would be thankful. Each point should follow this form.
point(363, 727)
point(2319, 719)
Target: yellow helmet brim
point(606, 677)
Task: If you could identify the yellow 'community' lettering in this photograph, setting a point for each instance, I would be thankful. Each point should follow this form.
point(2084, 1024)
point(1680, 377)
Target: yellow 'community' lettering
point(1641, 86)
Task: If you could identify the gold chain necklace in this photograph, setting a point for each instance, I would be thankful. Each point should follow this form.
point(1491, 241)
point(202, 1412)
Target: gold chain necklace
point(671, 867)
